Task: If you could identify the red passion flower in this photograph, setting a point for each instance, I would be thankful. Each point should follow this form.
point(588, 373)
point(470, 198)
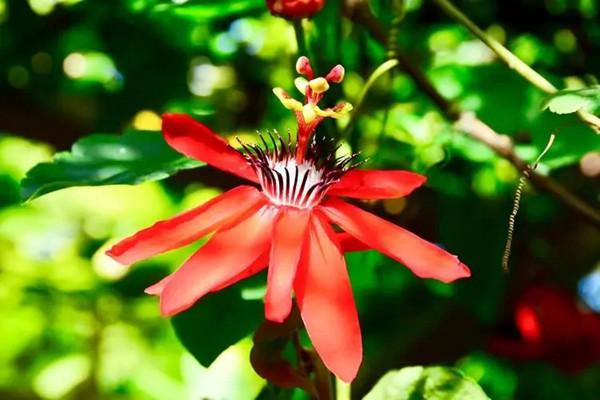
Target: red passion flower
point(283, 222)
point(295, 8)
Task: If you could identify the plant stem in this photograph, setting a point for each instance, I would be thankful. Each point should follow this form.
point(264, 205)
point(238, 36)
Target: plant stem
point(342, 390)
point(323, 378)
point(299, 350)
point(300, 39)
point(509, 58)
point(359, 12)
point(379, 71)
point(505, 55)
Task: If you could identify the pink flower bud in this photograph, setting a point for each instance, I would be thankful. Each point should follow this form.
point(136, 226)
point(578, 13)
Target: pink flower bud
point(336, 75)
point(303, 67)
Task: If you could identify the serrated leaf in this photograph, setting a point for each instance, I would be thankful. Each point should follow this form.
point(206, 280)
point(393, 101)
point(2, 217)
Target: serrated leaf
point(103, 159)
point(572, 100)
point(427, 383)
point(216, 322)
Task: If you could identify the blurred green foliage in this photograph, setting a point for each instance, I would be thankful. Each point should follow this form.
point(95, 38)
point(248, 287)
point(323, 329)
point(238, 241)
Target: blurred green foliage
point(77, 326)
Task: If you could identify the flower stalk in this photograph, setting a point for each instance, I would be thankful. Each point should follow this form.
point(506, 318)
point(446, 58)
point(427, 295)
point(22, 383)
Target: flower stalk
point(300, 37)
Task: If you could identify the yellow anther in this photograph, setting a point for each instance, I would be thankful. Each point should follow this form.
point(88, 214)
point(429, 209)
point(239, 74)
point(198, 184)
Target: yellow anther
point(319, 85)
point(337, 112)
point(286, 100)
point(301, 84)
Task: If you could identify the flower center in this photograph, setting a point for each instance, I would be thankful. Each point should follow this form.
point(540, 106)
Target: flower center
point(287, 182)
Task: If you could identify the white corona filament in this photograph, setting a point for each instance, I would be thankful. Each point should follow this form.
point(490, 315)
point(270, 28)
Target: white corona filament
point(287, 182)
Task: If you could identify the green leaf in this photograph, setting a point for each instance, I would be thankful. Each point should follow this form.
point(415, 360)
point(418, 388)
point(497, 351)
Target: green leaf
point(427, 383)
point(216, 322)
point(209, 9)
point(572, 100)
point(101, 159)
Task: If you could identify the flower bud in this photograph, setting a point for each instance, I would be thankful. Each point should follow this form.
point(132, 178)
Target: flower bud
point(336, 75)
point(295, 9)
point(303, 67)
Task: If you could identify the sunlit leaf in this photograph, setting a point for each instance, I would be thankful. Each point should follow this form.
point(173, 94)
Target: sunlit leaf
point(100, 159)
point(572, 100)
point(428, 383)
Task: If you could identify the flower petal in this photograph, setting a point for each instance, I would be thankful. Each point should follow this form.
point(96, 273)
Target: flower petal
point(376, 184)
point(326, 302)
point(257, 266)
point(424, 259)
point(349, 243)
point(189, 226)
point(227, 254)
point(196, 140)
point(289, 234)
point(158, 287)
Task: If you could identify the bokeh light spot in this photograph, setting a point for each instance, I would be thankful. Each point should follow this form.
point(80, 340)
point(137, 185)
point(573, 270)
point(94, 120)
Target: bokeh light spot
point(528, 323)
point(3, 11)
point(18, 76)
point(75, 65)
point(41, 62)
point(147, 120)
point(565, 40)
point(589, 290)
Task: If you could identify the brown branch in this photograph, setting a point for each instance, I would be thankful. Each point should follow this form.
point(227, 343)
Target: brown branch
point(359, 12)
point(511, 60)
point(503, 146)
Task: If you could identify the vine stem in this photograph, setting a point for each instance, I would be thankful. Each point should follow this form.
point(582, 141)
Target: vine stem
point(503, 146)
point(510, 59)
point(359, 12)
point(517, 203)
point(310, 362)
point(378, 73)
point(300, 40)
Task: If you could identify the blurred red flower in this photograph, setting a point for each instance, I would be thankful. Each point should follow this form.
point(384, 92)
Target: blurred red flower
point(286, 224)
point(553, 327)
point(295, 8)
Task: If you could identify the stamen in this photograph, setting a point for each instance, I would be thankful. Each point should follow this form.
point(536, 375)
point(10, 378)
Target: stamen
point(287, 182)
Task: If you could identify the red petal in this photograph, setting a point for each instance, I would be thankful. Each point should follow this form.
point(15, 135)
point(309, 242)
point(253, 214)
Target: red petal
point(349, 243)
point(158, 287)
point(289, 235)
point(226, 255)
point(189, 226)
point(260, 264)
point(196, 140)
point(425, 259)
point(326, 303)
point(256, 267)
point(376, 184)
